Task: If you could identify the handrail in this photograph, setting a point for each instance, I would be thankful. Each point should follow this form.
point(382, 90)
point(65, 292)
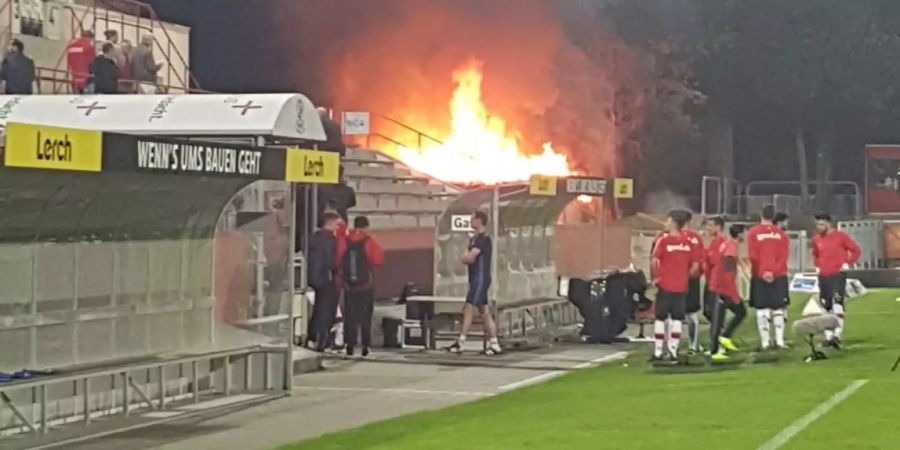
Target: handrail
point(409, 128)
point(60, 77)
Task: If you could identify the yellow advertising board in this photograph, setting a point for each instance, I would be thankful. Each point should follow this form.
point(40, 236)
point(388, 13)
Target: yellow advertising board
point(623, 188)
point(542, 185)
point(40, 147)
point(312, 166)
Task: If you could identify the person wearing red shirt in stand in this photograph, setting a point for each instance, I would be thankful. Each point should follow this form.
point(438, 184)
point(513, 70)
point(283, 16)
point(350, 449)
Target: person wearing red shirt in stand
point(673, 260)
point(358, 262)
point(768, 247)
point(80, 57)
point(692, 301)
point(833, 252)
point(721, 276)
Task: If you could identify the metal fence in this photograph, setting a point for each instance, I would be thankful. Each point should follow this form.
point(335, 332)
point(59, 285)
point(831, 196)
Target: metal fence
point(869, 234)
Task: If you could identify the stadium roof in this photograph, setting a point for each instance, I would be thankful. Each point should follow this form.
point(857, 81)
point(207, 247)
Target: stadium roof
point(289, 116)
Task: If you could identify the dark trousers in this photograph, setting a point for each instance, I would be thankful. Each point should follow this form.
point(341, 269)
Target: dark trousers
point(358, 308)
point(720, 305)
point(324, 311)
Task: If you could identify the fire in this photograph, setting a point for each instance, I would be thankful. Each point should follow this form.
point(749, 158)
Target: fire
point(480, 147)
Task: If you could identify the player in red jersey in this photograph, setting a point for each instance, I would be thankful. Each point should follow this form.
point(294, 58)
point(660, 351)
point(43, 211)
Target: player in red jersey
point(833, 252)
point(673, 260)
point(768, 247)
point(721, 276)
point(692, 301)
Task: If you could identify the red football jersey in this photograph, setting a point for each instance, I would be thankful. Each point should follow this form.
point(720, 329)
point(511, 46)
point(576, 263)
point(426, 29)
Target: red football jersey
point(832, 251)
point(672, 259)
point(696, 248)
point(710, 254)
point(721, 282)
point(768, 248)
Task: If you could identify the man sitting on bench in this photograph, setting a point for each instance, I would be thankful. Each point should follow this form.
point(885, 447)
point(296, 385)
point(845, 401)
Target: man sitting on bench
point(478, 258)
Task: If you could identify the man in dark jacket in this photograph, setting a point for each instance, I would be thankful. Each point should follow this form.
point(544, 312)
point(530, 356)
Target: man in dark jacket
point(17, 70)
point(333, 135)
point(322, 271)
point(106, 72)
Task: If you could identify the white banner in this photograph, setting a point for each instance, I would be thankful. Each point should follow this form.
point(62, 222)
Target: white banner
point(355, 123)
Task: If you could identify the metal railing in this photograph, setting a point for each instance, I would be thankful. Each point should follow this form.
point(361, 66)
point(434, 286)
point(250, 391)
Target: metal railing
point(146, 21)
point(60, 82)
point(81, 382)
point(393, 132)
point(791, 188)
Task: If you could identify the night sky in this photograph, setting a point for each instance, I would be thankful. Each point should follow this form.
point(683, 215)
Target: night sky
point(226, 38)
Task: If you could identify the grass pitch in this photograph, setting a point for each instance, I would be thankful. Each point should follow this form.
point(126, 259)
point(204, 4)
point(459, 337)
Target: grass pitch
point(634, 406)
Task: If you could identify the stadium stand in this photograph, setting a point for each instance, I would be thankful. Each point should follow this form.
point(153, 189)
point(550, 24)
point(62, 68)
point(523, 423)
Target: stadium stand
point(45, 27)
point(391, 195)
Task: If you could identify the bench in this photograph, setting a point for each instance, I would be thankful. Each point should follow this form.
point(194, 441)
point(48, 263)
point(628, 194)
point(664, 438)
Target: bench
point(433, 325)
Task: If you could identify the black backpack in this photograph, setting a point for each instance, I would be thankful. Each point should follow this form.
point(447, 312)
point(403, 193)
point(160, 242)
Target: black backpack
point(357, 271)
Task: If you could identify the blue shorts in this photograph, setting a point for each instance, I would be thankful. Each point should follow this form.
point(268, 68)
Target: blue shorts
point(478, 293)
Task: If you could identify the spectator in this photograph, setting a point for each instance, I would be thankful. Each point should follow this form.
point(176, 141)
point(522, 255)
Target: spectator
point(361, 255)
point(322, 277)
point(80, 57)
point(144, 67)
point(17, 70)
point(118, 56)
point(105, 72)
point(126, 84)
point(334, 138)
point(340, 197)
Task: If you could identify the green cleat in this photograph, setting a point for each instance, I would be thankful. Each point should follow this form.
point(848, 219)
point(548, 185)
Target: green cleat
point(727, 344)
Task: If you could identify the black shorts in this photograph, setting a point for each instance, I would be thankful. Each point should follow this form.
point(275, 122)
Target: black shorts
point(692, 300)
point(478, 293)
point(670, 304)
point(772, 295)
point(832, 290)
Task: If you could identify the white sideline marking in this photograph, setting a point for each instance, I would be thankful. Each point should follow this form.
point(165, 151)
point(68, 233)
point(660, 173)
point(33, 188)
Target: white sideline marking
point(162, 414)
point(533, 380)
point(596, 362)
point(395, 391)
point(551, 375)
point(819, 411)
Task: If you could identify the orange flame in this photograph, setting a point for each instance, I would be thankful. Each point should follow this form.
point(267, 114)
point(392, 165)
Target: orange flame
point(480, 147)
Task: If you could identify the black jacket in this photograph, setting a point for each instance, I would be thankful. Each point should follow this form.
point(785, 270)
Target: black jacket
point(106, 76)
point(17, 70)
point(322, 259)
point(334, 136)
point(339, 196)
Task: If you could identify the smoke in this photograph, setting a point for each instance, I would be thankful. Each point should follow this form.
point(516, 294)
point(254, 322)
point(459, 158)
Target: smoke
point(397, 57)
point(661, 202)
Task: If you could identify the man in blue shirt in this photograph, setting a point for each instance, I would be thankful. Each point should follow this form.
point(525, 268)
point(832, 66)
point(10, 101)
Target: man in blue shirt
point(478, 258)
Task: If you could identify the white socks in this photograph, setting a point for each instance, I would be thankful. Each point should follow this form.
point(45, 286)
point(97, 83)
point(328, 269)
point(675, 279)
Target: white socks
point(839, 312)
point(762, 323)
point(778, 321)
point(693, 323)
point(659, 338)
point(674, 336)
point(666, 333)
